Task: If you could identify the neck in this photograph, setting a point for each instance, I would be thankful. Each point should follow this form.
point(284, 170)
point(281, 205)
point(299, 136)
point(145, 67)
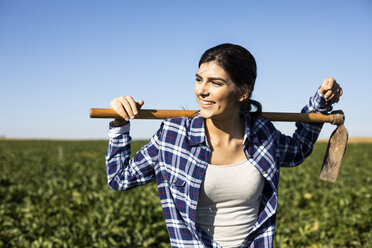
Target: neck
point(225, 131)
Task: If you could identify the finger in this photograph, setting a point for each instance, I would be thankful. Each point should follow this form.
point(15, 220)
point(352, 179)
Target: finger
point(330, 83)
point(121, 112)
point(117, 105)
point(122, 108)
point(338, 93)
point(326, 85)
point(337, 90)
point(140, 103)
point(133, 106)
point(127, 106)
point(335, 87)
point(331, 97)
point(327, 95)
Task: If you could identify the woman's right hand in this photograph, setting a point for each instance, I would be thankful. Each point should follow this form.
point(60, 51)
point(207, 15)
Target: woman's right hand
point(126, 107)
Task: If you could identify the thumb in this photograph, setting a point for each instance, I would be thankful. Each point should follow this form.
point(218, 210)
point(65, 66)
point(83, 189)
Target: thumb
point(140, 103)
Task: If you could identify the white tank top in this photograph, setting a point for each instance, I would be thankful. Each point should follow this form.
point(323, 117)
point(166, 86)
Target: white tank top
point(229, 202)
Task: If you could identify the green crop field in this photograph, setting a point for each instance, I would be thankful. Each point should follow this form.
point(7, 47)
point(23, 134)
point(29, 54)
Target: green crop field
point(54, 194)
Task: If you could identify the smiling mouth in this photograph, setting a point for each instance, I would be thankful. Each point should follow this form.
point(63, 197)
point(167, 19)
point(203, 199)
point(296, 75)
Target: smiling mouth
point(207, 103)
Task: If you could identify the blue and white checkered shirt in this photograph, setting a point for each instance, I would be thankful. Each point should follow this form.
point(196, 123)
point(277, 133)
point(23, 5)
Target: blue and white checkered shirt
point(177, 157)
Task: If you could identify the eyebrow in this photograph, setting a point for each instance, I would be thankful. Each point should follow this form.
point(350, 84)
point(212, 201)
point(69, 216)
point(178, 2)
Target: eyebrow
point(213, 78)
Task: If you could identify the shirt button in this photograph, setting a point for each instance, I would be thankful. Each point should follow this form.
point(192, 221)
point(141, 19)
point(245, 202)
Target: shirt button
point(174, 181)
point(249, 155)
point(264, 172)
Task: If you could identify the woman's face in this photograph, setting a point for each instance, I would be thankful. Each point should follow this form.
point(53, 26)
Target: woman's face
point(217, 95)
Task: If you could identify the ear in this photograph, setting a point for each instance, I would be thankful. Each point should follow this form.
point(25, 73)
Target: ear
point(245, 93)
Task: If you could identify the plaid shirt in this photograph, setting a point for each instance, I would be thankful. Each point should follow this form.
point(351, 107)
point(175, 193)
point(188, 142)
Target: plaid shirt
point(177, 157)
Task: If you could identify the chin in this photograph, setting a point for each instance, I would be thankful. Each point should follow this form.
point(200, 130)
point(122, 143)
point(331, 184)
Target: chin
point(208, 114)
point(204, 114)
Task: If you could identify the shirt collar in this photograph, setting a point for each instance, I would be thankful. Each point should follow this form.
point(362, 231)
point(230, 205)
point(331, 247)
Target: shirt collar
point(197, 131)
point(247, 132)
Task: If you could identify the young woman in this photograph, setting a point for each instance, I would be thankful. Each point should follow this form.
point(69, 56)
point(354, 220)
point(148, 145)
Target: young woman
point(217, 173)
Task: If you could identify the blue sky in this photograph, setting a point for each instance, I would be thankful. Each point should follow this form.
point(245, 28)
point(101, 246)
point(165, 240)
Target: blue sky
point(60, 58)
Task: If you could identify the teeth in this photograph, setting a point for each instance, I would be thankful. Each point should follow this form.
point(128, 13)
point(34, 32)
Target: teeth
point(207, 102)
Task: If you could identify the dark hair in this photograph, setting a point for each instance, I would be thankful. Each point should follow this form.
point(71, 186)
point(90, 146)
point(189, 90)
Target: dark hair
point(241, 67)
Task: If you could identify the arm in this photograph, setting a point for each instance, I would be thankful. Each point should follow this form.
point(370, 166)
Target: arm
point(293, 150)
point(124, 173)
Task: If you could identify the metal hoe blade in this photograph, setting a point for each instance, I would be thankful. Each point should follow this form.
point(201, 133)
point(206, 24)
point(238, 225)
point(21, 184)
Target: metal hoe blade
point(334, 154)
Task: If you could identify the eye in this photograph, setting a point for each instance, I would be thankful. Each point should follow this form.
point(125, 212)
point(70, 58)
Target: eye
point(217, 83)
point(198, 79)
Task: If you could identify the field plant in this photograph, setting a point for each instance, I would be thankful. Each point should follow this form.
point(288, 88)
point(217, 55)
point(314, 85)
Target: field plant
point(55, 194)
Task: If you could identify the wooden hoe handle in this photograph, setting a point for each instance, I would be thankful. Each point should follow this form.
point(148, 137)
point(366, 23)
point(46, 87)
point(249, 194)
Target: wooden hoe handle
point(335, 118)
point(336, 145)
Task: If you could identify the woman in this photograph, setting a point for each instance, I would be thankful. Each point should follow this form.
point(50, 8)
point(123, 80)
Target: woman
point(217, 173)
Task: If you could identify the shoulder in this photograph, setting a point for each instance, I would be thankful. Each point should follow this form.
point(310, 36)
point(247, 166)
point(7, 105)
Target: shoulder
point(179, 122)
point(184, 127)
point(179, 125)
point(263, 128)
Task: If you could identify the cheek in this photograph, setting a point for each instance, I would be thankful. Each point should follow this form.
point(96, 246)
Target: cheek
point(196, 90)
point(225, 96)
point(229, 100)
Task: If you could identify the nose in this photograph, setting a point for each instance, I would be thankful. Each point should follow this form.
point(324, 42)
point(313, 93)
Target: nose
point(202, 89)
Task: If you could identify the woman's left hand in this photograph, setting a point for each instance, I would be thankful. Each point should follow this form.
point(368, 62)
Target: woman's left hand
point(330, 89)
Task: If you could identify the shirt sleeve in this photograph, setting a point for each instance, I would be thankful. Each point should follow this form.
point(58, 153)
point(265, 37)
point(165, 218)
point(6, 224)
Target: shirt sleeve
point(293, 150)
point(123, 172)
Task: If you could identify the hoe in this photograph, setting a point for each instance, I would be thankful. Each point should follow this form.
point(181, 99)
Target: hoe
point(336, 145)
